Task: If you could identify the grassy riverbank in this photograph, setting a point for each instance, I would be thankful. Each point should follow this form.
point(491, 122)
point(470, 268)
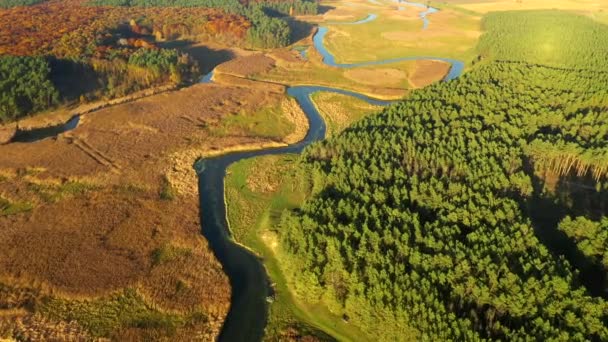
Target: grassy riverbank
point(258, 190)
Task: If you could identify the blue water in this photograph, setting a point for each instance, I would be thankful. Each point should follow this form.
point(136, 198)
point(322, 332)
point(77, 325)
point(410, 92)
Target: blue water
point(207, 78)
point(370, 17)
point(46, 132)
point(423, 15)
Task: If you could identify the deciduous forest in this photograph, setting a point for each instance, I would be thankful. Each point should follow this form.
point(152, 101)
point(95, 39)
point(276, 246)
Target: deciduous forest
point(424, 219)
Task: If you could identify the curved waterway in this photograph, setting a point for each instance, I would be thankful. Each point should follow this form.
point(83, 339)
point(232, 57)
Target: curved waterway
point(250, 284)
point(423, 15)
point(247, 317)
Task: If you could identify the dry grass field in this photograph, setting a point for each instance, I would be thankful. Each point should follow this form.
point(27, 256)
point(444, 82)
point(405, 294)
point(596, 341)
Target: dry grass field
point(91, 220)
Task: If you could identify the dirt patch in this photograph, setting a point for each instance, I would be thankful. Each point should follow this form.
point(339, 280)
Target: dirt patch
point(210, 54)
point(427, 72)
point(377, 77)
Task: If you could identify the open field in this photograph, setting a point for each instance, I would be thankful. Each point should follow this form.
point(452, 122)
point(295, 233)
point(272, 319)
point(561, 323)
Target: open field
point(391, 81)
point(398, 33)
point(340, 111)
point(368, 42)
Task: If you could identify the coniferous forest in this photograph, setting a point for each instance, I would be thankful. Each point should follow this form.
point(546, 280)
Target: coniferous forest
point(25, 86)
point(425, 220)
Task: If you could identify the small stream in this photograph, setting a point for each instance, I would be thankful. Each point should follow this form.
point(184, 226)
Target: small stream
point(28, 136)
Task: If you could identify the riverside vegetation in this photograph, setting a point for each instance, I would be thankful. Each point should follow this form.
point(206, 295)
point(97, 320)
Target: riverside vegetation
point(423, 220)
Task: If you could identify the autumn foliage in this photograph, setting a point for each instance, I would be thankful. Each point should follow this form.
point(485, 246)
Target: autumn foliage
point(69, 27)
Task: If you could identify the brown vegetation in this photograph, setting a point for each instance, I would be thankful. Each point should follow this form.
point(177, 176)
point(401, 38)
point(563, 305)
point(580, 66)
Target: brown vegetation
point(428, 71)
point(247, 65)
point(68, 27)
point(104, 215)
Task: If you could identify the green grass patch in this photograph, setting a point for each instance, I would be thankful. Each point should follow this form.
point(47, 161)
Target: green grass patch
point(166, 193)
point(103, 316)
point(386, 38)
point(8, 207)
point(52, 193)
point(340, 111)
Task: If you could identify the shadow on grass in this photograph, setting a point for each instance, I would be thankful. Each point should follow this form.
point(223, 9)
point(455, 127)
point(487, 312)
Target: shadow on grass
point(325, 9)
point(299, 29)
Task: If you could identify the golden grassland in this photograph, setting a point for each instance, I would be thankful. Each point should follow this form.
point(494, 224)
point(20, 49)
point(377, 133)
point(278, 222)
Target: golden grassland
point(92, 225)
point(340, 111)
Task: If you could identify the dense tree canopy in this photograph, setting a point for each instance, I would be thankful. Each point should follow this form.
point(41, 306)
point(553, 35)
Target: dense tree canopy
point(25, 86)
point(590, 236)
point(418, 226)
point(545, 37)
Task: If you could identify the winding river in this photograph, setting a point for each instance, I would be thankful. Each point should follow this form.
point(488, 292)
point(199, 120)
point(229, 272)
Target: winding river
point(250, 284)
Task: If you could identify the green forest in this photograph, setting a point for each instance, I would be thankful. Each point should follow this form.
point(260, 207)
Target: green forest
point(13, 3)
point(545, 37)
point(25, 86)
point(424, 219)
